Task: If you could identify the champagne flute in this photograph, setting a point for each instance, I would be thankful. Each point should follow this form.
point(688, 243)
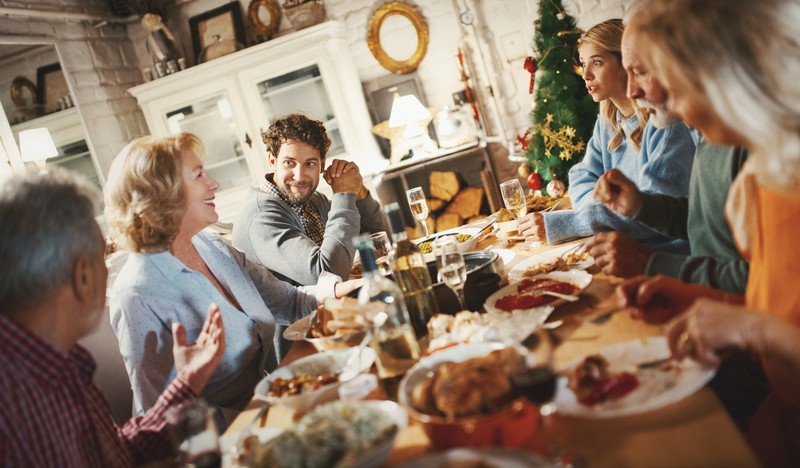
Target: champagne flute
point(514, 198)
point(419, 207)
point(451, 265)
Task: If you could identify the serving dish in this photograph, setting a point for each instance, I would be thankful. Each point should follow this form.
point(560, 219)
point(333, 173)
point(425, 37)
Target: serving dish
point(328, 362)
point(510, 426)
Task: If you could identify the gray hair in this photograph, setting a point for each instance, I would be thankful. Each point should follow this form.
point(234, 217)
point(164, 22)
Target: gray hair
point(740, 56)
point(46, 221)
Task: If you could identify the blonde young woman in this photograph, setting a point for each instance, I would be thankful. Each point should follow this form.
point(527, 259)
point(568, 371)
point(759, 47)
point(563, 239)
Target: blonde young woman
point(730, 68)
point(160, 199)
point(656, 159)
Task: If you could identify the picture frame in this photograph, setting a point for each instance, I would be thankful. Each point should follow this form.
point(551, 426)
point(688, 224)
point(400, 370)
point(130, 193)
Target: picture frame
point(225, 21)
point(51, 86)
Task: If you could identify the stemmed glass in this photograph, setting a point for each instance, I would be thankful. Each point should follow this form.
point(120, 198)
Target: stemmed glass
point(419, 207)
point(384, 253)
point(514, 197)
point(533, 375)
point(451, 265)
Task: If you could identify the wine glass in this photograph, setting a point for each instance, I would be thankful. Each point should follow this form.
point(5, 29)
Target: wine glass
point(419, 207)
point(514, 198)
point(533, 375)
point(384, 252)
point(451, 265)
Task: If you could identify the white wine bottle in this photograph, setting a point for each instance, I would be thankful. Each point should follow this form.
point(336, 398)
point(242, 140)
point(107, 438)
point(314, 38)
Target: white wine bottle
point(411, 273)
point(393, 337)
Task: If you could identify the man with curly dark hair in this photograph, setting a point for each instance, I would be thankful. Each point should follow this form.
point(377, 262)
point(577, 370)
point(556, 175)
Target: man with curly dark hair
point(289, 227)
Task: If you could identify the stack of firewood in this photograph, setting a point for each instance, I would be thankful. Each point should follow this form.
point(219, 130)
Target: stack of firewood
point(451, 204)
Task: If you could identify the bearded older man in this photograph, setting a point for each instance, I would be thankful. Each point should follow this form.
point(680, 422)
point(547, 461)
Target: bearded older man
point(714, 259)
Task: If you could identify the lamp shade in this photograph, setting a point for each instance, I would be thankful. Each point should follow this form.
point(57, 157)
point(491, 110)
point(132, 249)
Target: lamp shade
point(36, 145)
point(407, 110)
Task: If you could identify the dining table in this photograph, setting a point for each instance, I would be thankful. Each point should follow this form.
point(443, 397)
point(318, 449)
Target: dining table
point(693, 432)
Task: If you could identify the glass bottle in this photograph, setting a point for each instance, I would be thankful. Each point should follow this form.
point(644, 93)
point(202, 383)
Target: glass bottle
point(393, 338)
point(411, 273)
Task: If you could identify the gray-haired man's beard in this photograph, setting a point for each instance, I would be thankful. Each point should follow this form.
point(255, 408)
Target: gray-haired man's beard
point(662, 117)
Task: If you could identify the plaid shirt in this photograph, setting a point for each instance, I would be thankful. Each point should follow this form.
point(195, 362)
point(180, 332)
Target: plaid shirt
point(52, 414)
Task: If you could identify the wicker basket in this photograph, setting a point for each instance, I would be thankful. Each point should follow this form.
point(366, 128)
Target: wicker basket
point(307, 14)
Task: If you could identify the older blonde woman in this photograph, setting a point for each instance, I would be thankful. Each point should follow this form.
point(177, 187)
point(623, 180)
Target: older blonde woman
point(730, 68)
point(656, 159)
point(159, 199)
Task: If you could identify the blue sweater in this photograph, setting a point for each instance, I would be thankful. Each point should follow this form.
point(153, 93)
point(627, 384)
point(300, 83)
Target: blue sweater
point(663, 165)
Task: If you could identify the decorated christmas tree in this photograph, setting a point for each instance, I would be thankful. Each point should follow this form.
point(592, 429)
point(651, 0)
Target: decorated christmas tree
point(564, 113)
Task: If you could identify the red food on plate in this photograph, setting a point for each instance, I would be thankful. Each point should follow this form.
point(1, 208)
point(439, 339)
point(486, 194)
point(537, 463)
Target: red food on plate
point(537, 285)
point(529, 294)
point(593, 383)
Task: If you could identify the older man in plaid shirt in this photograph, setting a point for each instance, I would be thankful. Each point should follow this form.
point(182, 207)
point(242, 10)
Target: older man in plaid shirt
point(52, 294)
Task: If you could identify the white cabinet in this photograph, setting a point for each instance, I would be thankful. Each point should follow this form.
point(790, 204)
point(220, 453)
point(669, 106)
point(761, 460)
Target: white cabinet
point(229, 101)
point(68, 135)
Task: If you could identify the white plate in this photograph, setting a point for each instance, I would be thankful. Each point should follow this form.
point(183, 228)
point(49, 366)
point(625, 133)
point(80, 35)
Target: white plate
point(657, 387)
point(518, 272)
point(578, 278)
point(479, 456)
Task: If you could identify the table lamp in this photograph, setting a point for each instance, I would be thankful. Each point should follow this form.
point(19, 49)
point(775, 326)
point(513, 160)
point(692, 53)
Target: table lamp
point(411, 119)
point(36, 145)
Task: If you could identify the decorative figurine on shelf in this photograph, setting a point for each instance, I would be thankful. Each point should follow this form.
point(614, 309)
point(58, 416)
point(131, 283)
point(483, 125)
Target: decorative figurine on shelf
point(304, 13)
point(161, 45)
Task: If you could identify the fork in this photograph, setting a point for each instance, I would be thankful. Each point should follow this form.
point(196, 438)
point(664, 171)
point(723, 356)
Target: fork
point(575, 248)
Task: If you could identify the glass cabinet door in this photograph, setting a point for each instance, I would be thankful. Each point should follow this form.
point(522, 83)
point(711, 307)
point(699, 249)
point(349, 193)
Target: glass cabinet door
point(212, 120)
point(302, 91)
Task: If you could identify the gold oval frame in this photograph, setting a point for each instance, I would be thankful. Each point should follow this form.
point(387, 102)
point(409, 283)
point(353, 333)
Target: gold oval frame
point(18, 88)
point(266, 30)
point(374, 38)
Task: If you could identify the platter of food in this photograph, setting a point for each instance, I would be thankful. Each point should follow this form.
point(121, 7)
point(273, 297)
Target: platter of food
point(313, 379)
point(347, 435)
point(531, 293)
point(445, 330)
point(337, 323)
point(562, 258)
point(465, 236)
point(620, 380)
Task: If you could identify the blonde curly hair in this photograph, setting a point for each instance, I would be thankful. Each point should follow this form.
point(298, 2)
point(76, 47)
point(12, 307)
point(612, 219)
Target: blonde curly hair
point(144, 195)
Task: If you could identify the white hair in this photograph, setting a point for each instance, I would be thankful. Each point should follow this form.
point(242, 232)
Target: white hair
point(46, 221)
point(741, 57)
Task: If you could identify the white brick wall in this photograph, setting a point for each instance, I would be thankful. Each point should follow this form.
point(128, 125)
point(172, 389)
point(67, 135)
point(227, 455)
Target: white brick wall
point(102, 63)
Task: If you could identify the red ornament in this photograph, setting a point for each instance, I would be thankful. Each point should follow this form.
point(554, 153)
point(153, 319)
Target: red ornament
point(530, 67)
point(535, 181)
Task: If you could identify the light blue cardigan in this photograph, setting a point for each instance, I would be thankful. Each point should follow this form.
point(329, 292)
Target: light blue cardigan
point(663, 165)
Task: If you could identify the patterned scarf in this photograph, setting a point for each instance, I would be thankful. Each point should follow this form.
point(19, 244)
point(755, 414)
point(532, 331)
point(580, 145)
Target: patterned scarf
point(312, 221)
